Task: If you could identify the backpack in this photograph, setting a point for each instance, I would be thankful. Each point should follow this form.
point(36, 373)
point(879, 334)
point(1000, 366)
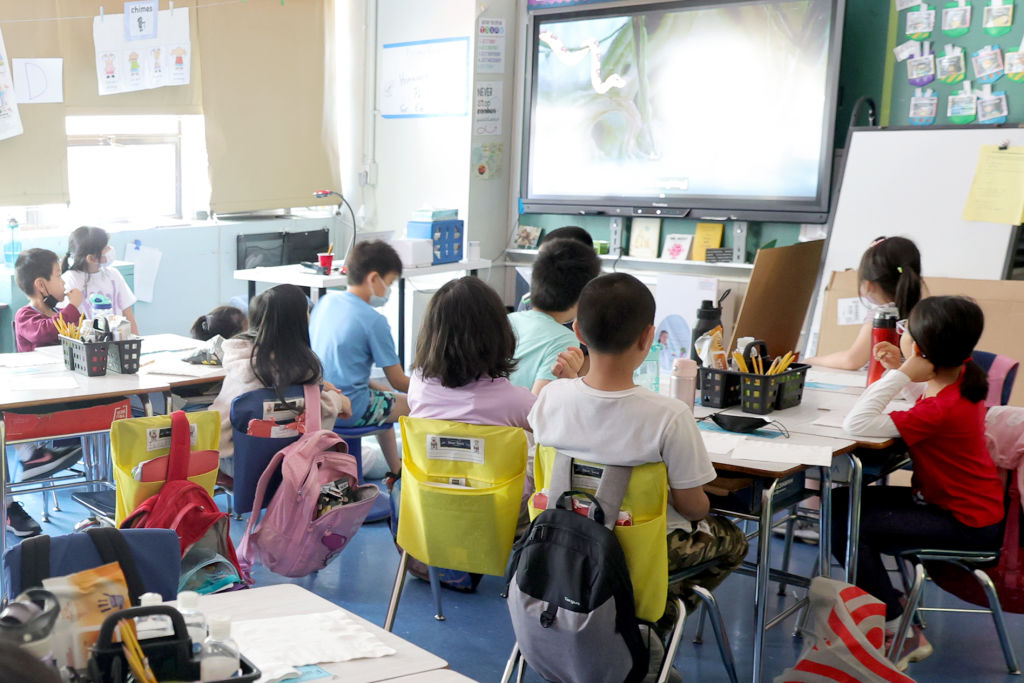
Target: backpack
point(569, 592)
point(186, 508)
point(292, 538)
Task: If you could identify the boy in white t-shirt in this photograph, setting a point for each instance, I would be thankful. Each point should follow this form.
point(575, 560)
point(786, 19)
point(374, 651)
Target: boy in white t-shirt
point(606, 418)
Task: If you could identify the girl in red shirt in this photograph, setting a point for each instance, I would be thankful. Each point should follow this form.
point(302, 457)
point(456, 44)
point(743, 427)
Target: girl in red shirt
point(955, 501)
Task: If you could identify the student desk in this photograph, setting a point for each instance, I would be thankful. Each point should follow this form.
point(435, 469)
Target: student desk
point(297, 275)
point(776, 473)
point(287, 599)
point(435, 676)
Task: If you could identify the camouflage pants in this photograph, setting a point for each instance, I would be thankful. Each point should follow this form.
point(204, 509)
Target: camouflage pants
point(725, 546)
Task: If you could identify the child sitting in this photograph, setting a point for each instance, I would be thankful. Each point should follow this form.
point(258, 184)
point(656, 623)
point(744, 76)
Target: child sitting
point(567, 232)
point(350, 337)
point(562, 268)
point(955, 501)
point(226, 321)
point(37, 272)
point(274, 353)
point(606, 418)
point(88, 266)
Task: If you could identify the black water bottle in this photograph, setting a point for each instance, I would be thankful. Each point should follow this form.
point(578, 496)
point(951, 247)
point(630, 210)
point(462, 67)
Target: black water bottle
point(709, 316)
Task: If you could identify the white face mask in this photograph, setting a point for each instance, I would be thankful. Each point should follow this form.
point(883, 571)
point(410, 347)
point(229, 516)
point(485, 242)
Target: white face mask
point(107, 257)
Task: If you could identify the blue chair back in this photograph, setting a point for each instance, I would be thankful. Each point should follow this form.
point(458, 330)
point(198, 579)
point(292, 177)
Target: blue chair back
point(1002, 373)
point(254, 453)
point(157, 555)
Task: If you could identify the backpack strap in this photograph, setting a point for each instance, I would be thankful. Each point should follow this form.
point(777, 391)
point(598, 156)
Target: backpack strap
point(112, 547)
point(244, 553)
point(312, 419)
point(35, 561)
point(610, 492)
point(181, 446)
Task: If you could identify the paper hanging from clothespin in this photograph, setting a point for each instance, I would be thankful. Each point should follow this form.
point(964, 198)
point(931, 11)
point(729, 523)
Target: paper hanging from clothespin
point(170, 6)
point(986, 91)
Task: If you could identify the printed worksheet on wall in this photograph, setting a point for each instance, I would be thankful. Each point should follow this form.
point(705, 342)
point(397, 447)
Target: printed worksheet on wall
point(10, 120)
point(126, 62)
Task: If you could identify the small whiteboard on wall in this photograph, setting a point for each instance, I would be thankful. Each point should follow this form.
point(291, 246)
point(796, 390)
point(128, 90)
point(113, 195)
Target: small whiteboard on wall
point(425, 78)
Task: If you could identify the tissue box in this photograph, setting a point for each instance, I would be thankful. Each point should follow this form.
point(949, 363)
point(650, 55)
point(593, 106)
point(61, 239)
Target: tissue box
point(446, 236)
point(414, 253)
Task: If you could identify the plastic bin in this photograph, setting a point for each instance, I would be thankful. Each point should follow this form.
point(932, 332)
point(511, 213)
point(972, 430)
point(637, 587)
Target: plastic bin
point(719, 388)
point(758, 394)
point(86, 358)
point(124, 356)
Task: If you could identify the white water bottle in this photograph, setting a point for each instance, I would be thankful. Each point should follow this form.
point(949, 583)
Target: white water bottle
point(683, 385)
point(195, 621)
point(220, 653)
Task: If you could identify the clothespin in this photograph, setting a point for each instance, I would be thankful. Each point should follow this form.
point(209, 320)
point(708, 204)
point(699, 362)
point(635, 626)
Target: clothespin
point(171, 5)
point(138, 244)
point(102, 18)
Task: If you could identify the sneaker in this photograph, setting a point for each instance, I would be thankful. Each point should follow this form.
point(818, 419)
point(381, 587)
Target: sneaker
point(45, 461)
point(805, 530)
point(916, 648)
point(20, 523)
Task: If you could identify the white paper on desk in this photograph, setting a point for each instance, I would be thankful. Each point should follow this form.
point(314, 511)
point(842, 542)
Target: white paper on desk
point(37, 382)
point(830, 418)
point(851, 311)
point(147, 265)
point(845, 379)
point(174, 367)
point(26, 360)
point(278, 644)
point(766, 451)
point(721, 444)
point(160, 343)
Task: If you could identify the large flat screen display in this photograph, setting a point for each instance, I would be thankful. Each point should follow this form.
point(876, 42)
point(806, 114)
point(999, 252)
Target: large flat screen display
point(720, 109)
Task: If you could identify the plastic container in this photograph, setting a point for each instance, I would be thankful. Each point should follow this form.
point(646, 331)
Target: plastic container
point(155, 625)
point(220, 658)
point(86, 358)
point(124, 356)
point(683, 384)
point(883, 329)
point(758, 394)
point(648, 375)
point(195, 620)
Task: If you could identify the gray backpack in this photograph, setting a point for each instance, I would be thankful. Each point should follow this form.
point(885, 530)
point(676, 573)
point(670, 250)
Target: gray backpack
point(569, 592)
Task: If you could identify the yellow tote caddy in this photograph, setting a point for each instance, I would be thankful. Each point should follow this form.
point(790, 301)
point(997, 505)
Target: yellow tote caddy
point(644, 542)
point(462, 487)
point(140, 439)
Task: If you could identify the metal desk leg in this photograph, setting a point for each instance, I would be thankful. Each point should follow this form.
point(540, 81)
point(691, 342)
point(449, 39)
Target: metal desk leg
point(4, 476)
point(401, 321)
point(853, 517)
point(168, 404)
point(252, 290)
point(825, 524)
point(764, 537)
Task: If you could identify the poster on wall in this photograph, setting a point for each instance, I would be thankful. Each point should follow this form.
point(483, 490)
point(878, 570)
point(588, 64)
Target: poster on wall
point(10, 120)
point(140, 63)
point(490, 46)
point(677, 298)
point(424, 78)
point(487, 109)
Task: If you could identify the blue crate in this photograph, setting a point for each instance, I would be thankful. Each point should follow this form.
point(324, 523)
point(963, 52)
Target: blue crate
point(448, 237)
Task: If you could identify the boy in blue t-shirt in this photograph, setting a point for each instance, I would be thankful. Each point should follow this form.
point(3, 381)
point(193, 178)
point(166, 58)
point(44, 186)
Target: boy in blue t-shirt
point(562, 269)
point(350, 337)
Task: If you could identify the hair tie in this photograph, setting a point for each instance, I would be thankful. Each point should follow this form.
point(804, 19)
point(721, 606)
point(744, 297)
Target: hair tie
point(877, 242)
point(899, 269)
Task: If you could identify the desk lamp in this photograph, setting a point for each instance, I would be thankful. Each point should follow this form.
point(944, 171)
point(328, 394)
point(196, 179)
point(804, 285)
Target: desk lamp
point(323, 194)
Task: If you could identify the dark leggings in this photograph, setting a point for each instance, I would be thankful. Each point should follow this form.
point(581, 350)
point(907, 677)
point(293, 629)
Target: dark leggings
point(892, 521)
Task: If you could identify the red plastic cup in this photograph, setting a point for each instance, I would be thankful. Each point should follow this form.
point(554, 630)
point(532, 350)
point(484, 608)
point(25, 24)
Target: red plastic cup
point(326, 260)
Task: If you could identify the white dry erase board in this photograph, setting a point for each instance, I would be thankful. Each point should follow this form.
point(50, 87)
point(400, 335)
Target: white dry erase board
point(914, 183)
point(424, 78)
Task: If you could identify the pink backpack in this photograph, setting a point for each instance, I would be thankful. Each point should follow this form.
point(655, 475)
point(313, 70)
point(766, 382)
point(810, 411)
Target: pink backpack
point(291, 539)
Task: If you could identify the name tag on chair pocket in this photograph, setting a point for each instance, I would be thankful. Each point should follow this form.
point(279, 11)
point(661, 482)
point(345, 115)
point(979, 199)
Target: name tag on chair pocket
point(159, 438)
point(458, 448)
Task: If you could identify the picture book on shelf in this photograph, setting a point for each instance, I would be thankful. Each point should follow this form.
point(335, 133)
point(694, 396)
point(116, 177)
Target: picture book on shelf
point(677, 247)
point(644, 235)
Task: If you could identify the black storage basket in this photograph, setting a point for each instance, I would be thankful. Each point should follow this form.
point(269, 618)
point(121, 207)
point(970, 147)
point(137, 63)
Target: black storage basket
point(86, 358)
point(124, 356)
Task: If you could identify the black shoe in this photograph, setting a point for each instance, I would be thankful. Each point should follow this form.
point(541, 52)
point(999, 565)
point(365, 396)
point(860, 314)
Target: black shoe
point(45, 461)
point(20, 523)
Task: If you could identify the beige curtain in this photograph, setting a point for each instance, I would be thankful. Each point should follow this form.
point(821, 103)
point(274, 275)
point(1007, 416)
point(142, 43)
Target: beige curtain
point(34, 165)
point(268, 100)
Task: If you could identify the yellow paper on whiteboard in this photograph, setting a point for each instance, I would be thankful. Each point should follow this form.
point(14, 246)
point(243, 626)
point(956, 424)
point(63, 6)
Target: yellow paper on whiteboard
point(708, 236)
point(997, 192)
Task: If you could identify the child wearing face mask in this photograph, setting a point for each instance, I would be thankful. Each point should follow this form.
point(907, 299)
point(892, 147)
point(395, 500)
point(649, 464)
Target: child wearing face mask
point(87, 266)
point(350, 337)
point(889, 273)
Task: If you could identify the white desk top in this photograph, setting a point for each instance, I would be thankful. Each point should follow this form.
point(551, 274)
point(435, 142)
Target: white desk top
point(436, 676)
point(288, 599)
point(297, 275)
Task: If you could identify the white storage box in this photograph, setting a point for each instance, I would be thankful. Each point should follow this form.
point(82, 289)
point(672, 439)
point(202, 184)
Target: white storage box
point(414, 252)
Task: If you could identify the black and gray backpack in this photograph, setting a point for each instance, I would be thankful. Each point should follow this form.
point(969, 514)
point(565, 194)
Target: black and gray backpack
point(569, 592)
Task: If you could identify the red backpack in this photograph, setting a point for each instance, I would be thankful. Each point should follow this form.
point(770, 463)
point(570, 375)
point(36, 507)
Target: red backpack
point(185, 507)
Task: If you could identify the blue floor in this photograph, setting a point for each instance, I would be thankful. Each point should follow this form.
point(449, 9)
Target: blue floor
point(477, 636)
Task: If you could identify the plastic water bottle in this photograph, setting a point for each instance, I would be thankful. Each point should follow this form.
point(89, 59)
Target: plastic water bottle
point(883, 329)
point(683, 384)
point(647, 375)
point(220, 658)
point(154, 626)
point(195, 621)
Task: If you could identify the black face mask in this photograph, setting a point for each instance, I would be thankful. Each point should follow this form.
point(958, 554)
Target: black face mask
point(50, 301)
point(739, 423)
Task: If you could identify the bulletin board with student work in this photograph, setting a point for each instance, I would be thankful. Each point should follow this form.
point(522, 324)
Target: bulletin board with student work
point(936, 48)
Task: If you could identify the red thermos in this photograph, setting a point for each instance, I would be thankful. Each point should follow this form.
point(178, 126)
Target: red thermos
point(882, 330)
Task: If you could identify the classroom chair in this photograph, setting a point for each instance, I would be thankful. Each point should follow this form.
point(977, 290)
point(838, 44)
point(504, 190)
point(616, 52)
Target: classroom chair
point(1002, 373)
point(646, 551)
point(156, 554)
point(462, 489)
point(969, 574)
